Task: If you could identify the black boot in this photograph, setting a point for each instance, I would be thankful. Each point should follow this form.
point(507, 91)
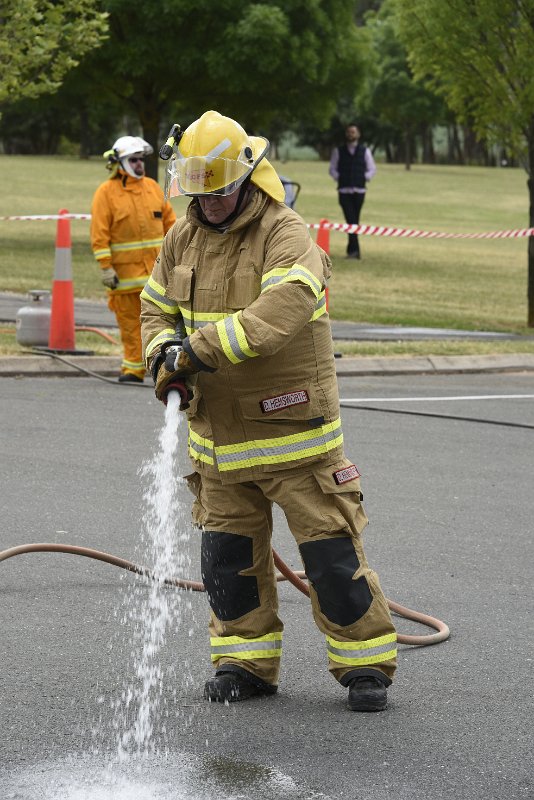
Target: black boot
point(229, 687)
point(129, 377)
point(367, 693)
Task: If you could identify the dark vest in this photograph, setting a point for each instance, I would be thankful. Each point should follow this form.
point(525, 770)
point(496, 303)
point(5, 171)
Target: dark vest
point(351, 168)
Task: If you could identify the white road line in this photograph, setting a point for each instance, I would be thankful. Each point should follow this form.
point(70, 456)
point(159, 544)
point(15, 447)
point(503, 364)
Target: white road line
point(436, 399)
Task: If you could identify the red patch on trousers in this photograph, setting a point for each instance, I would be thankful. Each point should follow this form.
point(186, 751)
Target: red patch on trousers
point(346, 474)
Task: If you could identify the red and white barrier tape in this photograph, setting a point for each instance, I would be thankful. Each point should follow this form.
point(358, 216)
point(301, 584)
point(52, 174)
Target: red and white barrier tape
point(383, 230)
point(366, 230)
point(49, 216)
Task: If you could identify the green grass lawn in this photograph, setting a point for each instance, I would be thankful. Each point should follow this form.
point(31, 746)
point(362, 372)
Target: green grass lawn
point(463, 284)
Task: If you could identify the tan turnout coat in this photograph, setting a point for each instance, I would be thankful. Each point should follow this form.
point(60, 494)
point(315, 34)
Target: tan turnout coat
point(253, 303)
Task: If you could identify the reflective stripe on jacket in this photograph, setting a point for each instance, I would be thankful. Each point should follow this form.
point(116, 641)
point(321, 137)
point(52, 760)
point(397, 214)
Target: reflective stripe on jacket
point(129, 218)
point(253, 303)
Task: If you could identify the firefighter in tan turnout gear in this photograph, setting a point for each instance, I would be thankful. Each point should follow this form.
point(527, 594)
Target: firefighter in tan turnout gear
point(129, 218)
point(243, 280)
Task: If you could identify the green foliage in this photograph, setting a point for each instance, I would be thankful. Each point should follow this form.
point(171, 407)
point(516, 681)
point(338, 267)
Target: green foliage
point(397, 104)
point(41, 40)
point(263, 63)
point(250, 59)
point(480, 59)
point(479, 56)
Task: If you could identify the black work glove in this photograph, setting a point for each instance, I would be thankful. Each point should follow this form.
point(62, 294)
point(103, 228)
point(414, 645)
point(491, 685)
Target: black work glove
point(170, 369)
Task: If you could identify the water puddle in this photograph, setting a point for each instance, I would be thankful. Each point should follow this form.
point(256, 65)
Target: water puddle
point(176, 777)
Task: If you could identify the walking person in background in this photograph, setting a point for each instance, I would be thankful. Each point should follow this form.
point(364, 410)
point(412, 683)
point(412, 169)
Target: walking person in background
point(129, 217)
point(352, 166)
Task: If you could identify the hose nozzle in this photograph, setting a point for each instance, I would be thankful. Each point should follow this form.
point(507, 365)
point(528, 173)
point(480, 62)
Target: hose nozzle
point(170, 352)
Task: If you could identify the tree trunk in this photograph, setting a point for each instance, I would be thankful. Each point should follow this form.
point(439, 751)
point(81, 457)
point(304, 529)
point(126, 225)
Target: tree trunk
point(450, 145)
point(530, 183)
point(150, 119)
point(427, 141)
point(85, 137)
point(408, 149)
point(460, 157)
point(470, 145)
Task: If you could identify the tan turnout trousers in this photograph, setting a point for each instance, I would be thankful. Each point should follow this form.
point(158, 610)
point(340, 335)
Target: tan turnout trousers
point(326, 520)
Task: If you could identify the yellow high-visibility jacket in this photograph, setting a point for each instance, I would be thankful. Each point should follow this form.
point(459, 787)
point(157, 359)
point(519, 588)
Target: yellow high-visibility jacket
point(253, 303)
point(129, 218)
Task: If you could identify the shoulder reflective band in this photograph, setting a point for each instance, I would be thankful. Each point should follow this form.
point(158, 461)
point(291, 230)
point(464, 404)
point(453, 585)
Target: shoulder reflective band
point(291, 275)
point(356, 654)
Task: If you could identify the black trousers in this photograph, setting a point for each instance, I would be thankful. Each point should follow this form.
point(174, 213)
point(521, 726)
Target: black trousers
point(352, 205)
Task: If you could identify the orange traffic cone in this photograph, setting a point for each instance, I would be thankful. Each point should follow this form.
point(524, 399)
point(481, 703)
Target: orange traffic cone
point(323, 236)
point(323, 240)
point(61, 335)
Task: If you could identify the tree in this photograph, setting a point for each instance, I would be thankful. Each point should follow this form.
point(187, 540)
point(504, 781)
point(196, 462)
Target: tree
point(400, 104)
point(41, 40)
point(266, 64)
point(390, 107)
point(478, 55)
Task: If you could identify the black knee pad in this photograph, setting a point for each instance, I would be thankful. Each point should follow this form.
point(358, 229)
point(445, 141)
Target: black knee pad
point(223, 556)
point(330, 565)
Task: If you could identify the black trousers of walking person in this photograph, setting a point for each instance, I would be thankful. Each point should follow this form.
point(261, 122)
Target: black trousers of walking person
point(352, 205)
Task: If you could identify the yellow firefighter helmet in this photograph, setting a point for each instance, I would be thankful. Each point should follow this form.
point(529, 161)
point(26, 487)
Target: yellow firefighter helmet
point(215, 155)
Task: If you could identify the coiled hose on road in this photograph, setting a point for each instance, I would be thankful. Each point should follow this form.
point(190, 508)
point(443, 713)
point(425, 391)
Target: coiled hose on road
point(285, 573)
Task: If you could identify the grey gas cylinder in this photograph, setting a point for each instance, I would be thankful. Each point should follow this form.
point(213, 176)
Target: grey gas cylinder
point(33, 321)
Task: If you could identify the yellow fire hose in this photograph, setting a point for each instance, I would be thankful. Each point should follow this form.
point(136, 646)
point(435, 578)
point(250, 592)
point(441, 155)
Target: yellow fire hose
point(285, 573)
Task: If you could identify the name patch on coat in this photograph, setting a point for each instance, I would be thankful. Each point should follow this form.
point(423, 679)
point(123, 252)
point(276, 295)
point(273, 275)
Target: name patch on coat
point(346, 474)
point(271, 404)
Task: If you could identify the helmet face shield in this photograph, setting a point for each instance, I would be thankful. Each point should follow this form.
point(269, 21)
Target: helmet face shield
point(198, 175)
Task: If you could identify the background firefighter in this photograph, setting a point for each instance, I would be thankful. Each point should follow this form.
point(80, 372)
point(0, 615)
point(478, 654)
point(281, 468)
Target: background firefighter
point(256, 372)
point(129, 218)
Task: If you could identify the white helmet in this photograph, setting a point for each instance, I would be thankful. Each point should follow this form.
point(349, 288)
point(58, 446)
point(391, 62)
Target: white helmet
point(124, 147)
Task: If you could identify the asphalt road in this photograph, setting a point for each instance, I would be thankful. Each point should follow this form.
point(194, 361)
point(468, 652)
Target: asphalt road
point(451, 508)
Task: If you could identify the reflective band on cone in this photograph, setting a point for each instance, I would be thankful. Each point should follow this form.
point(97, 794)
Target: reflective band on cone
point(62, 335)
point(323, 240)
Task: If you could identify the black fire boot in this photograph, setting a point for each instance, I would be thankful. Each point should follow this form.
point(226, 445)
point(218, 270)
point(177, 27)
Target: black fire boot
point(367, 693)
point(231, 686)
point(129, 377)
